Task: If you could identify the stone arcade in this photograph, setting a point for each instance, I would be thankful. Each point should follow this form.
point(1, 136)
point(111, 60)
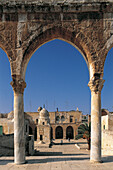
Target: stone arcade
point(25, 25)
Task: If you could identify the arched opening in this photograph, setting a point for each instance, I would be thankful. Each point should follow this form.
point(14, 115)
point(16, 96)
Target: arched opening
point(69, 132)
point(35, 135)
point(57, 66)
point(51, 133)
point(6, 92)
point(30, 131)
point(59, 132)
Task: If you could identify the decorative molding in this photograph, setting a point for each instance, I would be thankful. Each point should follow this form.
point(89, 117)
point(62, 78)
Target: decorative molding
point(96, 84)
point(18, 86)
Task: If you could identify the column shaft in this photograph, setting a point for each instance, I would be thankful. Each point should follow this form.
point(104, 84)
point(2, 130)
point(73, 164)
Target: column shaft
point(19, 137)
point(96, 84)
point(95, 155)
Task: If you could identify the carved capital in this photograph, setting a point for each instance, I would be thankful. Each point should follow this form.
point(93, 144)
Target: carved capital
point(18, 85)
point(96, 85)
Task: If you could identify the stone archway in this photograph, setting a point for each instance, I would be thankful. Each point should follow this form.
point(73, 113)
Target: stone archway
point(84, 25)
point(69, 132)
point(59, 132)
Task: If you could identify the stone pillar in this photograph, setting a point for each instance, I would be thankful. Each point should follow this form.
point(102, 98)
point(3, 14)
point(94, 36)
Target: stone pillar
point(64, 132)
point(96, 85)
point(75, 131)
point(54, 135)
point(19, 136)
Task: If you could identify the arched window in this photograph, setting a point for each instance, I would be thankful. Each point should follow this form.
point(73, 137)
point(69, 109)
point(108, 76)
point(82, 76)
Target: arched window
point(57, 119)
point(62, 118)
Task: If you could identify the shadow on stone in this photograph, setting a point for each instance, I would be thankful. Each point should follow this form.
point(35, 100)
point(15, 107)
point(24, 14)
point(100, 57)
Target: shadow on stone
point(46, 160)
point(5, 162)
point(107, 159)
point(55, 154)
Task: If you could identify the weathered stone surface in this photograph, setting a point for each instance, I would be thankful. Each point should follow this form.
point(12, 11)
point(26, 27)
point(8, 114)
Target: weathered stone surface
point(26, 25)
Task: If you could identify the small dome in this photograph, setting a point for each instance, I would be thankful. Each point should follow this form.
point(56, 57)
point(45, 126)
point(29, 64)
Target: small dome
point(10, 115)
point(39, 109)
point(44, 113)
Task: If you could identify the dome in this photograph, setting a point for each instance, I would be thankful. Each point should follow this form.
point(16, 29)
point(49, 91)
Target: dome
point(39, 109)
point(10, 115)
point(44, 113)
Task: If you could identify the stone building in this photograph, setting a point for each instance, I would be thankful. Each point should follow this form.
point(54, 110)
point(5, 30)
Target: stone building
point(62, 124)
point(107, 132)
point(7, 124)
point(7, 135)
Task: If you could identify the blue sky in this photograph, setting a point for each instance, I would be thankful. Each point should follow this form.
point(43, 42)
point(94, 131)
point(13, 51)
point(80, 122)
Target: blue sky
point(57, 76)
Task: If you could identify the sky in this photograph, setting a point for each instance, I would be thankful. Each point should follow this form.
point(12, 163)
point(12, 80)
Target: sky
point(57, 76)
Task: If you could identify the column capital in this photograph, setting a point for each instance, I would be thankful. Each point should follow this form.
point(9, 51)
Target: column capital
point(18, 86)
point(96, 84)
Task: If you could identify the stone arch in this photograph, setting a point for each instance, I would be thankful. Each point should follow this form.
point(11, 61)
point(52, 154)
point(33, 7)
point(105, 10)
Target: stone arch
point(59, 132)
point(78, 40)
point(6, 47)
point(69, 132)
point(105, 50)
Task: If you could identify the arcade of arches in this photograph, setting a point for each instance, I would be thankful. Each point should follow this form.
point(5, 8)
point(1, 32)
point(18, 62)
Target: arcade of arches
point(24, 27)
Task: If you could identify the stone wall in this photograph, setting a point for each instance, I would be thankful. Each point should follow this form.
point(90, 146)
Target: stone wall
point(7, 145)
point(107, 142)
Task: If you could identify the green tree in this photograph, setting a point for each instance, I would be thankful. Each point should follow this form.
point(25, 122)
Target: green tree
point(84, 131)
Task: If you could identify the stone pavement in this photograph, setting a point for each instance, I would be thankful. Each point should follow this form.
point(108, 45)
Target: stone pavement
point(59, 157)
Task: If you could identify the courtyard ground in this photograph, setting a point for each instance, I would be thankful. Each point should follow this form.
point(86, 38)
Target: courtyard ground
point(59, 157)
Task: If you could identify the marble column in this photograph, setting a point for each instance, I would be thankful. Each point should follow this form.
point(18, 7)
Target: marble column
point(19, 137)
point(95, 85)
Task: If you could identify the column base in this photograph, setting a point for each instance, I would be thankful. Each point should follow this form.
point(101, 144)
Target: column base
point(20, 163)
point(94, 161)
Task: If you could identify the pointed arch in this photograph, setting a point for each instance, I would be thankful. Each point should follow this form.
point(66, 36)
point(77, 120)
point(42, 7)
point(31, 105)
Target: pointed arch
point(78, 40)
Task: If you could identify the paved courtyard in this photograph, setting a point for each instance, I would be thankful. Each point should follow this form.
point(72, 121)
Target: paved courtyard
point(59, 157)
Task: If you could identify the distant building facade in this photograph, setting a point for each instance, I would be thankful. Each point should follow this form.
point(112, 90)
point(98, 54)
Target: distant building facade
point(62, 124)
